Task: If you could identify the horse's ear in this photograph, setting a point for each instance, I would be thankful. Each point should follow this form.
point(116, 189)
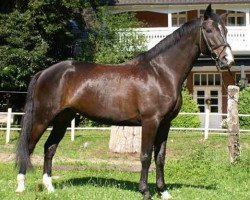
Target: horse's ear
point(223, 17)
point(208, 12)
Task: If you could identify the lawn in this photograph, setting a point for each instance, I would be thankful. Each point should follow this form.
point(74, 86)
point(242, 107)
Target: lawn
point(85, 169)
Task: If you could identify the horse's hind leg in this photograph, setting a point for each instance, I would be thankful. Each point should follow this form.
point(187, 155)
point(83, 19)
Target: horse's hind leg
point(159, 156)
point(36, 133)
point(59, 128)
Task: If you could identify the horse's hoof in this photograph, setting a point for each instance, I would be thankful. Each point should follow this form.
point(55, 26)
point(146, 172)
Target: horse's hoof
point(47, 182)
point(147, 196)
point(165, 195)
point(19, 190)
point(20, 183)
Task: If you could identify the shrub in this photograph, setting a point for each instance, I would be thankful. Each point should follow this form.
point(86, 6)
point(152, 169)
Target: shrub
point(114, 40)
point(244, 108)
point(188, 105)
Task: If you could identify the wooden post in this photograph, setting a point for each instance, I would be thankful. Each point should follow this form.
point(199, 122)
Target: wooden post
point(8, 125)
point(233, 123)
point(125, 139)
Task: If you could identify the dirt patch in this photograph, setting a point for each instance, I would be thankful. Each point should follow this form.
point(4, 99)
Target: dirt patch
point(131, 163)
point(7, 157)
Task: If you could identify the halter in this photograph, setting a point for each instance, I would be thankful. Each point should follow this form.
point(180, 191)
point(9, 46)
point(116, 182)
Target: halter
point(213, 54)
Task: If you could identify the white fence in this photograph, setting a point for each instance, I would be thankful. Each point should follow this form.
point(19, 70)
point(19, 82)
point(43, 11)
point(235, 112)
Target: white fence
point(6, 118)
point(238, 37)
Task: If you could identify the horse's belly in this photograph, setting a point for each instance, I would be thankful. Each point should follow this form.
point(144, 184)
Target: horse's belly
point(108, 111)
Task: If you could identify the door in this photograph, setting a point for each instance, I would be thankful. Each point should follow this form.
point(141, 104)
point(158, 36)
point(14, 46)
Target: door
point(209, 97)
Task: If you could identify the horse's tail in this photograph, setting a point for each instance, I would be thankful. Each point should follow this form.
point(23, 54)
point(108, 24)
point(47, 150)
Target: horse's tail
point(23, 155)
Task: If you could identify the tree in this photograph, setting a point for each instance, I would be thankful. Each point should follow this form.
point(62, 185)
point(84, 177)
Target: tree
point(112, 39)
point(33, 35)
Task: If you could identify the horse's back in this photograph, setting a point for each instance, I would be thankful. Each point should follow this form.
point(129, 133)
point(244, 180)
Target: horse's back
point(98, 91)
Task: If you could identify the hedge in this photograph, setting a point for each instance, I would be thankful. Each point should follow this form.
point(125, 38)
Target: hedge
point(188, 105)
point(244, 108)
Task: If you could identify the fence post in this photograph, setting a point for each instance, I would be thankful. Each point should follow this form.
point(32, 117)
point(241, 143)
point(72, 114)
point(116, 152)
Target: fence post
point(233, 123)
point(8, 125)
point(72, 134)
point(207, 112)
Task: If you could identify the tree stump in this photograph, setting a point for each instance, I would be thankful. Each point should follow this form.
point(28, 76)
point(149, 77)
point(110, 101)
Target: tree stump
point(233, 123)
point(125, 139)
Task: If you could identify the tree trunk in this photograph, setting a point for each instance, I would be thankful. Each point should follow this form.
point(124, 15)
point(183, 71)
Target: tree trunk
point(125, 139)
point(233, 123)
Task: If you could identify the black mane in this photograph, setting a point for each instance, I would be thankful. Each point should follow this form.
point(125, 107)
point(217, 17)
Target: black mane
point(171, 39)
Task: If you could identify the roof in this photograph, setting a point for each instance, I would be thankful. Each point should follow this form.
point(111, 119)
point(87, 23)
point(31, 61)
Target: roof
point(175, 2)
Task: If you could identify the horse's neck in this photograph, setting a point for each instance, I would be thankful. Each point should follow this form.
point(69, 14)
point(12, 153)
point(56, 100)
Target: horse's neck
point(178, 60)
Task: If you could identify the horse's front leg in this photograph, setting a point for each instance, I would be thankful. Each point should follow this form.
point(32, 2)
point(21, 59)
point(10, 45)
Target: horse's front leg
point(149, 129)
point(159, 156)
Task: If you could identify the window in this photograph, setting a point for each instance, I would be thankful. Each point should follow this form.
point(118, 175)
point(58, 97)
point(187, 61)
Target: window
point(236, 18)
point(207, 79)
point(179, 18)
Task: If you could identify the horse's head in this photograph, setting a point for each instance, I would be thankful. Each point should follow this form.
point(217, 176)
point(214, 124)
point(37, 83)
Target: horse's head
point(213, 40)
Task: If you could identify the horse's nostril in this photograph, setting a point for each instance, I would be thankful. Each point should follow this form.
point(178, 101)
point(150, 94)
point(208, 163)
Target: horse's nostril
point(232, 63)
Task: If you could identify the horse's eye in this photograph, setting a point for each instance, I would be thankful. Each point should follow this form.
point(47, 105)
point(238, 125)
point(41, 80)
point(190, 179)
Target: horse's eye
point(209, 30)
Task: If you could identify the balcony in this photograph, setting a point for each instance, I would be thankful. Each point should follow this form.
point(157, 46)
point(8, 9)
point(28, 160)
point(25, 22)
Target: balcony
point(238, 37)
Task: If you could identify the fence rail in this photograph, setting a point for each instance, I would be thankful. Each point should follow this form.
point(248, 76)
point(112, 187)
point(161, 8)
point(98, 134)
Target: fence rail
point(7, 118)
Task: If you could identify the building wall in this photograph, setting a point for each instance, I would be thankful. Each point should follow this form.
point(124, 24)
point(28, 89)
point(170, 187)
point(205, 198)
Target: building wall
point(227, 79)
point(153, 19)
point(193, 14)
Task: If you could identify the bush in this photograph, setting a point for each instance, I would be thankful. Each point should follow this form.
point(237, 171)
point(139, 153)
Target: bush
point(85, 122)
point(113, 41)
point(244, 108)
point(188, 105)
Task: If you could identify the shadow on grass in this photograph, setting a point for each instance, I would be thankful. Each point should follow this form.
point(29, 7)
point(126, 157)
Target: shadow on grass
point(125, 185)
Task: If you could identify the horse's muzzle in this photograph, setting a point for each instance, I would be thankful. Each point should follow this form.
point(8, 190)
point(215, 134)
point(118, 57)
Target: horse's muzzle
point(225, 65)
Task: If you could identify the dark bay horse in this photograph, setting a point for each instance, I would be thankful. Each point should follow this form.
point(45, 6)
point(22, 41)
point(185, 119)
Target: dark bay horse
point(145, 91)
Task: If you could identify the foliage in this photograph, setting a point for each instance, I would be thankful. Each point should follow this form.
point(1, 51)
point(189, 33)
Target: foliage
point(244, 108)
point(21, 53)
point(85, 122)
point(34, 35)
point(112, 39)
point(189, 106)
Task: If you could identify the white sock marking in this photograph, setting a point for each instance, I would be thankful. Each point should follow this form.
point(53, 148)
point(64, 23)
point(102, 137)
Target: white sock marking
point(47, 181)
point(165, 195)
point(20, 183)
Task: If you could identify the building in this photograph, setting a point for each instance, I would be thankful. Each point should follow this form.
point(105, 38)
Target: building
point(204, 82)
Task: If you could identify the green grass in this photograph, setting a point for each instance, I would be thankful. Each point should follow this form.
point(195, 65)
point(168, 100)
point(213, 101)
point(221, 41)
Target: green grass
point(195, 169)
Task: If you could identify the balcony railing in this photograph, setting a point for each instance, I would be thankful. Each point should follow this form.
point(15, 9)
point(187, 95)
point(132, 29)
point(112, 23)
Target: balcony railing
point(238, 37)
